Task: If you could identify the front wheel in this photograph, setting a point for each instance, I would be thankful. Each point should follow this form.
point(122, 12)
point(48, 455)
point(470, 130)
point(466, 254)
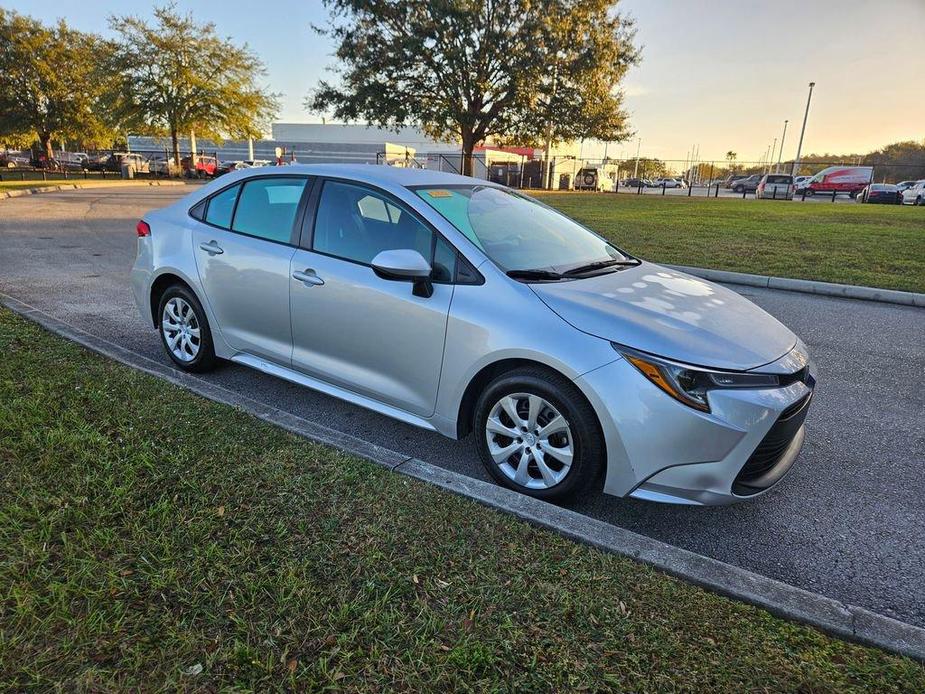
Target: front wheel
point(919, 201)
point(185, 331)
point(538, 435)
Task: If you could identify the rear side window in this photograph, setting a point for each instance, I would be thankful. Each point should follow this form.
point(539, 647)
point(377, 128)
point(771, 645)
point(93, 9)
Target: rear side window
point(221, 207)
point(779, 179)
point(268, 207)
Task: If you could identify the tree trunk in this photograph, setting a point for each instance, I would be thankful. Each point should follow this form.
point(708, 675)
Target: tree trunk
point(175, 142)
point(468, 144)
point(45, 141)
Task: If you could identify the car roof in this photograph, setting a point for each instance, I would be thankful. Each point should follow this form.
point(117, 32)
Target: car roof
point(370, 173)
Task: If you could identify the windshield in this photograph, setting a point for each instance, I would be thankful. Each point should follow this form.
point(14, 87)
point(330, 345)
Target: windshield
point(517, 232)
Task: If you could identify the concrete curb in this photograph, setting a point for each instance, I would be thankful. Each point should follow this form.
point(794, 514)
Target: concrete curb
point(20, 192)
point(845, 291)
point(843, 620)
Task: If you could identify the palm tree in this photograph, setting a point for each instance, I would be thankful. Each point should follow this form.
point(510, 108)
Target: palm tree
point(731, 158)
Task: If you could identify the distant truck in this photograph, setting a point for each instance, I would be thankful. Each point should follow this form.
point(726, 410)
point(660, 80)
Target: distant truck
point(593, 178)
point(839, 179)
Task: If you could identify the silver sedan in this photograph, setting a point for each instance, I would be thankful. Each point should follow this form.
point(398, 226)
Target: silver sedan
point(464, 307)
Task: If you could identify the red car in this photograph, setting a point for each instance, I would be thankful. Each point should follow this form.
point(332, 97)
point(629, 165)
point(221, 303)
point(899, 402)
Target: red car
point(205, 166)
point(839, 179)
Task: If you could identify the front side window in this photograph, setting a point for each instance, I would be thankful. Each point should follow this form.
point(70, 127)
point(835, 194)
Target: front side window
point(268, 207)
point(221, 207)
point(357, 224)
point(517, 232)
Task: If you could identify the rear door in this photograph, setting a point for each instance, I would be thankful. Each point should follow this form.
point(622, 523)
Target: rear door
point(243, 246)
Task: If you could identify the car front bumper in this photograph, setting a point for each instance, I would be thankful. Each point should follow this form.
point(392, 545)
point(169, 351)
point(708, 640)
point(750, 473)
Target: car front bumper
point(661, 450)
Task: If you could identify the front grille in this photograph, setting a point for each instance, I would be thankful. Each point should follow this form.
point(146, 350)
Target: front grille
point(772, 448)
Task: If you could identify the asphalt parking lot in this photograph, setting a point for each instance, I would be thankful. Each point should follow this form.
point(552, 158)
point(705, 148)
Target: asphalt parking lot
point(849, 521)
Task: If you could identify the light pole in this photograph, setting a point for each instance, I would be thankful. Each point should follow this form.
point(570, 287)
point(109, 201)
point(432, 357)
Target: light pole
point(773, 149)
point(782, 137)
point(636, 168)
point(796, 162)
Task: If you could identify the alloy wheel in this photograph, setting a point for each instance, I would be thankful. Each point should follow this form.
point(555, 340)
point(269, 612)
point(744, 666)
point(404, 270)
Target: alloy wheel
point(529, 441)
point(181, 329)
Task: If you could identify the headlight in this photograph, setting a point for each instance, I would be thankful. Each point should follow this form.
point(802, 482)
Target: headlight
point(690, 384)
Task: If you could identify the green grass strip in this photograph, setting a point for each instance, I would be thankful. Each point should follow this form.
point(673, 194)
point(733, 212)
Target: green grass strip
point(869, 245)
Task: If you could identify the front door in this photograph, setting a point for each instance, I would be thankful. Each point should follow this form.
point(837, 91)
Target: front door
point(243, 249)
point(354, 329)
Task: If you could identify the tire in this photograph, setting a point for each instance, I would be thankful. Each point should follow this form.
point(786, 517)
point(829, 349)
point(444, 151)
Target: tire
point(918, 201)
point(810, 193)
point(545, 474)
point(738, 189)
point(180, 307)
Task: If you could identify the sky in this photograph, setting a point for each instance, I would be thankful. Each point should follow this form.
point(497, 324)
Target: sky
point(717, 74)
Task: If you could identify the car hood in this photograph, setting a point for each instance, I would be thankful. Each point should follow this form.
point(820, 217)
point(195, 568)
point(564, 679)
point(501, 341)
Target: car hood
point(671, 314)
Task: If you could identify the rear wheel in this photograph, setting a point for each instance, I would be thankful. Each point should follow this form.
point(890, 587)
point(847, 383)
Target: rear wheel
point(185, 330)
point(538, 435)
point(919, 201)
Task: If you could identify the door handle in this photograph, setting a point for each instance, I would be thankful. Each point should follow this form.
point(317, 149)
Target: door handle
point(212, 248)
point(308, 277)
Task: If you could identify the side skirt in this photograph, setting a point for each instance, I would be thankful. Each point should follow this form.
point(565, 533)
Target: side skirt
point(329, 389)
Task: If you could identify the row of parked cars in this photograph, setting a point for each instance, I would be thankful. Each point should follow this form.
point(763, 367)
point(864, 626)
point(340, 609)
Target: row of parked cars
point(204, 167)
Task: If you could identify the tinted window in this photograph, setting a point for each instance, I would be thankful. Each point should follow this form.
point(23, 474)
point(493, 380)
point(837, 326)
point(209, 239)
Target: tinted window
point(779, 179)
point(357, 224)
point(221, 207)
point(267, 208)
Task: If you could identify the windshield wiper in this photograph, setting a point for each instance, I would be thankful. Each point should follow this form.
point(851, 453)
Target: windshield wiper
point(534, 275)
point(600, 265)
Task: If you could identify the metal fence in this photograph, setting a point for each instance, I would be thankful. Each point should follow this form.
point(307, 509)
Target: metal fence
point(640, 176)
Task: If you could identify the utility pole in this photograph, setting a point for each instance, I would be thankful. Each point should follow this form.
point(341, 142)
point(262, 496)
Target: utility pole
point(636, 168)
point(796, 162)
point(781, 152)
point(552, 100)
point(250, 148)
point(773, 149)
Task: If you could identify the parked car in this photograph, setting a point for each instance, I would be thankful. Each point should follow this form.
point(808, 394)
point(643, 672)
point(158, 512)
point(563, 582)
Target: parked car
point(164, 166)
point(914, 195)
point(902, 185)
point(636, 183)
point(593, 178)
point(228, 166)
point(249, 163)
point(74, 161)
point(13, 160)
point(205, 166)
point(114, 161)
point(732, 178)
point(669, 183)
point(799, 181)
point(775, 187)
point(463, 306)
point(839, 179)
point(883, 193)
point(749, 184)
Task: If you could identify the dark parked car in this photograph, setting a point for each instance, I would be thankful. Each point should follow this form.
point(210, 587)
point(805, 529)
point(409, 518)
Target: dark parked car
point(883, 193)
point(747, 185)
point(636, 183)
point(731, 180)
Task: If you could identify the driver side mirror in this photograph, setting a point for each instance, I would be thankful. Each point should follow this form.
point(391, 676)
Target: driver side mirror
point(405, 265)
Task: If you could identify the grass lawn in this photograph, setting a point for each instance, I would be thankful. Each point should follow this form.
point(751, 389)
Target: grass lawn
point(150, 539)
point(871, 245)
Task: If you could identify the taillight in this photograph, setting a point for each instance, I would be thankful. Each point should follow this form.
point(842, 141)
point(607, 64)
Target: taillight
point(142, 228)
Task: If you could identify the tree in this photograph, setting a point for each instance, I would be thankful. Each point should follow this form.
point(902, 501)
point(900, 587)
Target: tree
point(731, 158)
point(475, 69)
point(179, 76)
point(52, 83)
